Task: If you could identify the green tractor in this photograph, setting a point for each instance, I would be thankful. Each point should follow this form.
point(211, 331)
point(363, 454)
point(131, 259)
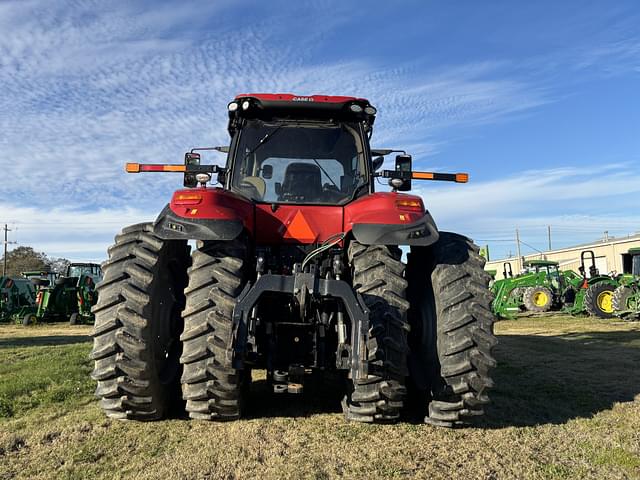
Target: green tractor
point(592, 293)
point(87, 275)
point(534, 290)
point(70, 296)
point(626, 298)
point(17, 299)
point(542, 287)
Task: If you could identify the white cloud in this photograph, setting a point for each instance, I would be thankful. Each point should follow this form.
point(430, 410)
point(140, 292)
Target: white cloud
point(89, 89)
point(578, 204)
point(67, 231)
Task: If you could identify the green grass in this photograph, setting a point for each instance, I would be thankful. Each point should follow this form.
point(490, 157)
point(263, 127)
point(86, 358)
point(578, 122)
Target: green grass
point(40, 376)
point(566, 405)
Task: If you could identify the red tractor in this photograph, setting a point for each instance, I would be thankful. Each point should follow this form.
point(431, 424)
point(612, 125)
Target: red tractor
point(297, 270)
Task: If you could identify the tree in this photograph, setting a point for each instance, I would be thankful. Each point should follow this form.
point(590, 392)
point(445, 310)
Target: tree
point(58, 265)
point(23, 259)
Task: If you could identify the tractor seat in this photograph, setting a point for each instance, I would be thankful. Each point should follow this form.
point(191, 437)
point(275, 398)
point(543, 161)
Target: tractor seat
point(256, 183)
point(302, 182)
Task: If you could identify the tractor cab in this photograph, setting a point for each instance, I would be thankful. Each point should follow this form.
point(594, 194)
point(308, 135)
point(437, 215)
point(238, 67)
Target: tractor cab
point(550, 268)
point(87, 270)
point(288, 149)
point(280, 161)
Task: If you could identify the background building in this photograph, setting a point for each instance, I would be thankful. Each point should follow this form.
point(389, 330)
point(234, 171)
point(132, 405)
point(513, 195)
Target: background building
point(611, 256)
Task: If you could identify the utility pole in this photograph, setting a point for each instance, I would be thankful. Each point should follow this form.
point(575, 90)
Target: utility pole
point(518, 247)
point(549, 235)
point(6, 242)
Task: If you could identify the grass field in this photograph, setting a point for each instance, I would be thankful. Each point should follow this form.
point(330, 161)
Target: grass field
point(566, 405)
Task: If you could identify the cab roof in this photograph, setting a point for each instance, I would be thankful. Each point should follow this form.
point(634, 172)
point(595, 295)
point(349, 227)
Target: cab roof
point(541, 263)
point(288, 106)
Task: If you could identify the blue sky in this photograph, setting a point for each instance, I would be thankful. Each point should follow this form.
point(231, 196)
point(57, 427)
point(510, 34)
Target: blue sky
point(538, 101)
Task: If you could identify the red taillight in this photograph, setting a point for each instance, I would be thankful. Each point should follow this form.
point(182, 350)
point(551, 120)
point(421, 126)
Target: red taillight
point(39, 298)
point(187, 199)
point(409, 204)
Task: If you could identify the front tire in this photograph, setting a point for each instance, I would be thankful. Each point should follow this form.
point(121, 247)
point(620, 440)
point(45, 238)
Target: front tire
point(598, 300)
point(452, 336)
point(378, 275)
point(216, 279)
point(537, 299)
point(137, 327)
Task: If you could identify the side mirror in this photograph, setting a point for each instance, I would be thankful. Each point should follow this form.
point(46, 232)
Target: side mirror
point(267, 171)
point(278, 188)
point(377, 163)
point(403, 164)
point(191, 158)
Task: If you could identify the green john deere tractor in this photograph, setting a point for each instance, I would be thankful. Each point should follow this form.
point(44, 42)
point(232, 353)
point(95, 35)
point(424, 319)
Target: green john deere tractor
point(590, 293)
point(543, 287)
point(534, 290)
point(17, 299)
point(87, 275)
point(69, 297)
point(626, 298)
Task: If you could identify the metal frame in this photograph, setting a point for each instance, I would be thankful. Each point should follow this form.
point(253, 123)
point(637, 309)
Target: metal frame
point(302, 285)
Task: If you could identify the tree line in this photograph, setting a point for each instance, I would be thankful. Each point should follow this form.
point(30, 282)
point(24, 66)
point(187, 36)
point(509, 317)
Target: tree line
point(25, 259)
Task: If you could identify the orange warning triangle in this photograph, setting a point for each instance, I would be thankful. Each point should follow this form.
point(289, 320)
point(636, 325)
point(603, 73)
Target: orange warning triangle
point(299, 229)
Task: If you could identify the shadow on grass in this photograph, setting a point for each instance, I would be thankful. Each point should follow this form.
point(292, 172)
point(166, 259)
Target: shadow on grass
point(539, 380)
point(44, 341)
point(319, 396)
point(553, 379)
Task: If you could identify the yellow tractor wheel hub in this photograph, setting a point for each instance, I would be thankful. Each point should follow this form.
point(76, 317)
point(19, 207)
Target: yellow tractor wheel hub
point(605, 302)
point(540, 299)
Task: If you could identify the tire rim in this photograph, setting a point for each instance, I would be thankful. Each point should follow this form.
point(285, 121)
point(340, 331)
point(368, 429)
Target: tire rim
point(605, 301)
point(540, 299)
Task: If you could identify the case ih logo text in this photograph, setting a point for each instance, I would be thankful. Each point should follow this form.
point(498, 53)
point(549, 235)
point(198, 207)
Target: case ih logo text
point(302, 99)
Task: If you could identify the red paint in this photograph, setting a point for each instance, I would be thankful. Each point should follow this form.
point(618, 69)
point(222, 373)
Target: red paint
point(216, 203)
point(380, 208)
point(287, 223)
point(289, 97)
point(299, 224)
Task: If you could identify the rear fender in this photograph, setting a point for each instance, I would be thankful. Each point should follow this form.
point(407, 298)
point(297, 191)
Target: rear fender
point(204, 214)
point(379, 219)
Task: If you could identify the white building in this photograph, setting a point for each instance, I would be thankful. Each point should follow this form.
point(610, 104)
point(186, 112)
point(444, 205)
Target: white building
point(611, 256)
